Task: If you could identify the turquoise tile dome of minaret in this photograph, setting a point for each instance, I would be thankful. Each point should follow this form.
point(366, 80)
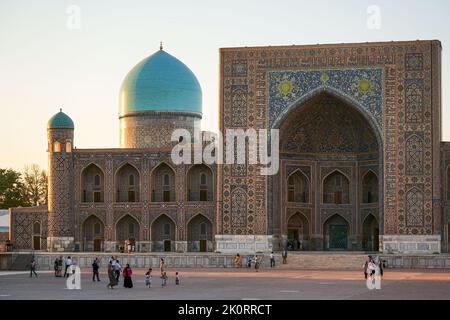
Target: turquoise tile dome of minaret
point(60, 121)
point(163, 83)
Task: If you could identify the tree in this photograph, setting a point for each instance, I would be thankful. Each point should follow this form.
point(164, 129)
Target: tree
point(35, 182)
point(12, 189)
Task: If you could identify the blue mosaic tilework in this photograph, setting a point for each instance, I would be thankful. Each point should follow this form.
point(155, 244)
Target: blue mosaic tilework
point(363, 85)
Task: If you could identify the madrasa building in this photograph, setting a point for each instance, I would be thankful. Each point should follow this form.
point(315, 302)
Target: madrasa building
point(361, 166)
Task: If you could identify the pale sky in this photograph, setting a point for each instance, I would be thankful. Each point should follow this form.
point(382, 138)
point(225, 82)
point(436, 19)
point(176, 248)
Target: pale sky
point(46, 64)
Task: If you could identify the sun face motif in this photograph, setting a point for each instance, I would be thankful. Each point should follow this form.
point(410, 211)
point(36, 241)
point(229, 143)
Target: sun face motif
point(285, 87)
point(324, 77)
point(364, 85)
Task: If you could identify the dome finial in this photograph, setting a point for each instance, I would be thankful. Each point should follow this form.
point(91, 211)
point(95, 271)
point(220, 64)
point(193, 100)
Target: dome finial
point(160, 45)
point(60, 109)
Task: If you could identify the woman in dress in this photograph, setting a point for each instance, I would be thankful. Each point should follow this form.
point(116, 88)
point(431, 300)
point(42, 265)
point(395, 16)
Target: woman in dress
point(111, 275)
point(257, 263)
point(161, 266)
point(237, 261)
point(127, 272)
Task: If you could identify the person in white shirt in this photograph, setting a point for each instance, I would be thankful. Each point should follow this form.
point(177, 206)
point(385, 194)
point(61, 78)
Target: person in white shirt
point(68, 263)
point(117, 269)
point(272, 260)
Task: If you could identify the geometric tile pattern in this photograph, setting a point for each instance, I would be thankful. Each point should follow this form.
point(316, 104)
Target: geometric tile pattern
point(414, 205)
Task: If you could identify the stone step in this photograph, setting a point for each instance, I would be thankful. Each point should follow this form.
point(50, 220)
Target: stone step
point(21, 262)
point(323, 261)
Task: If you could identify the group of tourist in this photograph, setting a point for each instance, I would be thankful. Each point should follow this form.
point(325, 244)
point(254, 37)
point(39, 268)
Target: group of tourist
point(371, 267)
point(58, 266)
point(257, 260)
point(114, 270)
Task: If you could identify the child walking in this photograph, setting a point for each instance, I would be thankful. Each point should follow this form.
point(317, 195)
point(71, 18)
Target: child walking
point(177, 278)
point(148, 278)
point(164, 279)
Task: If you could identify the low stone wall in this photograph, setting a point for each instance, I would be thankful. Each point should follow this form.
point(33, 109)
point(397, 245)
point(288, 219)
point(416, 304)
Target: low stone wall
point(6, 259)
point(302, 260)
point(411, 244)
point(438, 261)
point(136, 260)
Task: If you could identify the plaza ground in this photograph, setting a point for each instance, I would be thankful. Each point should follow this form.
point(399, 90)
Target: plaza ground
point(235, 284)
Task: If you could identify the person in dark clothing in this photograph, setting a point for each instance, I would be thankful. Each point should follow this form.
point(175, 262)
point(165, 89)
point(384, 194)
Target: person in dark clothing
point(60, 266)
point(55, 267)
point(95, 267)
point(381, 266)
point(285, 253)
point(112, 276)
point(127, 272)
point(33, 268)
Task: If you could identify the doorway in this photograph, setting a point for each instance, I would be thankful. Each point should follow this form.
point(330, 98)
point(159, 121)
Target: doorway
point(338, 237)
point(167, 245)
point(36, 243)
point(97, 245)
point(293, 236)
point(202, 245)
point(371, 233)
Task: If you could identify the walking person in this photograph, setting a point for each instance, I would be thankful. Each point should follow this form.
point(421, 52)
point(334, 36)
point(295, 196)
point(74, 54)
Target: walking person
point(272, 260)
point(68, 263)
point(371, 267)
point(249, 262)
point(366, 266)
point(60, 264)
point(257, 262)
point(161, 266)
point(148, 278)
point(95, 267)
point(55, 267)
point(237, 261)
point(127, 272)
point(381, 266)
point(33, 268)
point(163, 280)
point(177, 278)
point(117, 269)
point(112, 276)
point(284, 254)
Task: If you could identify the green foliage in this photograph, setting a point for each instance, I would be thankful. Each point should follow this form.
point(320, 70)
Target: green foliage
point(35, 182)
point(23, 189)
point(12, 189)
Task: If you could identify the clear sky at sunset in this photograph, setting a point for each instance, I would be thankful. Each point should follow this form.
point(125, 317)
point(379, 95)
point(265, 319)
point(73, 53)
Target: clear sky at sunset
point(47, 63)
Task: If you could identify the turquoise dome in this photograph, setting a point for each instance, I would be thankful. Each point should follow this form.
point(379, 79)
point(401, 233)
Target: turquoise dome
point(60, 121)
point(160, 82)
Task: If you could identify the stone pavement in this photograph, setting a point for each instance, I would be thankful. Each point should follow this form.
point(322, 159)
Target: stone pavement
point(235, 284)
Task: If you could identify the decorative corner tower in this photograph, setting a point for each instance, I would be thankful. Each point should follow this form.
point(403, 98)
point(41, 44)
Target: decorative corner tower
point(160, 94)
point(60, 130)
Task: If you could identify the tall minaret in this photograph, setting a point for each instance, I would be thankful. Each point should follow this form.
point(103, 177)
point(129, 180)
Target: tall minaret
point(60, 130)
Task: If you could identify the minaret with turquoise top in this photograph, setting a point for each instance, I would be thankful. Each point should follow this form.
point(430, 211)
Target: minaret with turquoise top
point(60, 129)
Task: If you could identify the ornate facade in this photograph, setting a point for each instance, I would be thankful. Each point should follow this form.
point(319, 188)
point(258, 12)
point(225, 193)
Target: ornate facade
point(362, 165)
point(360, 146)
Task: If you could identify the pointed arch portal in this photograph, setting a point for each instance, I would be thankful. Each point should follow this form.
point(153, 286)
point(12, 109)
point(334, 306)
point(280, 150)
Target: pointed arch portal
point(331, 161)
